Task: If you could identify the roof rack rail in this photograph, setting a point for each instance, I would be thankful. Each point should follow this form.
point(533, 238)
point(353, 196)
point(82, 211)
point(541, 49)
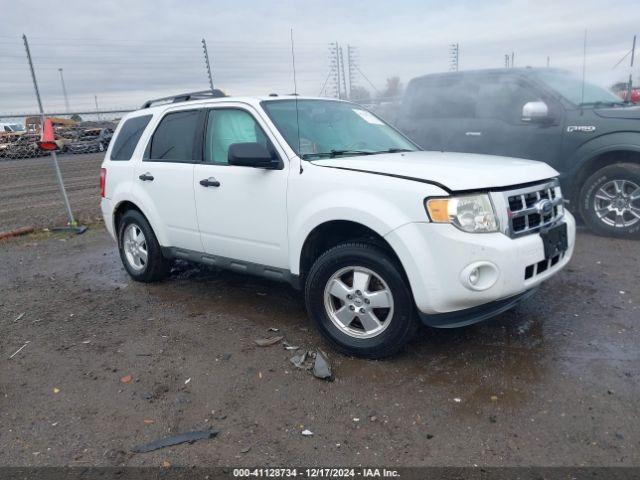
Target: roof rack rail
point(185, 97)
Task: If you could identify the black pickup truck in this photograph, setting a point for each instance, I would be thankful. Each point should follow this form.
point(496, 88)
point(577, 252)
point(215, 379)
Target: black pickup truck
point(584, 131)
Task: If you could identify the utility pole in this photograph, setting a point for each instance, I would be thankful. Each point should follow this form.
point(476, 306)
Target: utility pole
point(64, 91)
point(633, 54)
point(334, 60)
point(506, 60)
point(351, 54)
point(548, 61)
point(454, 54)
point(72, 221)
point(95, 99)
point(207, 63)
point(344, 77)
point(513, 58)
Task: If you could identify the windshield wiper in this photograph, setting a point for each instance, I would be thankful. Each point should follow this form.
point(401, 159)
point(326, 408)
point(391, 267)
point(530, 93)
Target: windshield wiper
point(336, 153)
point(395, 150)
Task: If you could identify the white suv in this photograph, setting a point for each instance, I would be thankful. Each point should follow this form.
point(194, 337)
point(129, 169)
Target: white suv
point(326, 196)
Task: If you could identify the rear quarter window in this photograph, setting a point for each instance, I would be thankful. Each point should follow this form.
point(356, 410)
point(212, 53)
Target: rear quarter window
point(128, 137)
point(175, 138)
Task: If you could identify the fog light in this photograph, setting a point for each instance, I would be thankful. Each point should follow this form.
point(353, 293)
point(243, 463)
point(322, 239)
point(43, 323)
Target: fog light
point(474, 276)
point(479, 276)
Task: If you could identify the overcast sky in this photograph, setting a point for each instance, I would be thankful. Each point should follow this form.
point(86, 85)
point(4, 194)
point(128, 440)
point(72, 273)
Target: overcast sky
point(128, 51)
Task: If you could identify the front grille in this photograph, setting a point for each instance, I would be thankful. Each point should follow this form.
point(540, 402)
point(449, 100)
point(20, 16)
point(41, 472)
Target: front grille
point(532, 208)
point(542, 266)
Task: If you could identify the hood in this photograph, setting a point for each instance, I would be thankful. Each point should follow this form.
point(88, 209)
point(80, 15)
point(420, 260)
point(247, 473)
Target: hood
point(454, 171)
point(631, 113)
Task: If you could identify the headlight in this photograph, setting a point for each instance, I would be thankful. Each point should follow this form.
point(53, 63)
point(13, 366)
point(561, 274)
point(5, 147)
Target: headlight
point(470, 213)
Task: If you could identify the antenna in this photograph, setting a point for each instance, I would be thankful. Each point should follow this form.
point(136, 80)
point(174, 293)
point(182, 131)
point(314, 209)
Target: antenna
point(633, 54)
point(584, 69)
point(295, 93)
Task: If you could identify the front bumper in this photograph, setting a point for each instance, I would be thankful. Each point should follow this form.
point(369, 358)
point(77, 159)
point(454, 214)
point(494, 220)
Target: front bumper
point(436, 258)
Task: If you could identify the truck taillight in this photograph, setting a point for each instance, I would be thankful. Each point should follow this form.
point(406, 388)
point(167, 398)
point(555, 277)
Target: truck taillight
point(103, 181)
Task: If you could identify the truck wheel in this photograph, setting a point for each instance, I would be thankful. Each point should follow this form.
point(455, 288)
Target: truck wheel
point(610, 201)
point(139, 249)
point(358, 298)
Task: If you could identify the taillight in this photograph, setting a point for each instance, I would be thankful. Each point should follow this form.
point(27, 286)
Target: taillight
point(103, 181)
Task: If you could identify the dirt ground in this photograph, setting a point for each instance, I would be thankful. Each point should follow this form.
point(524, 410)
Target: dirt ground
point(554, 382)
point(30, 196)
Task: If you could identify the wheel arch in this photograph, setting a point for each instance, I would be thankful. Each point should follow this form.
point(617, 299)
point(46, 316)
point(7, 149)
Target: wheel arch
point(602, 160)
point(601, 152)
point(328, 234)
point(120, 209)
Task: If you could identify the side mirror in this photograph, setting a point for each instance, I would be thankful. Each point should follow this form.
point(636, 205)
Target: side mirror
point(535, 112)
point(252, 155)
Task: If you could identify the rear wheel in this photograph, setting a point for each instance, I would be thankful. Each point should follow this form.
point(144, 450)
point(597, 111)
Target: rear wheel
point(140, 251)
point(358, 298)
point(610, 201)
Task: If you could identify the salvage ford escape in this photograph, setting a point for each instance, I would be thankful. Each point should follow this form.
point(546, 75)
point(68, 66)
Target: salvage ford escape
point(326, 196)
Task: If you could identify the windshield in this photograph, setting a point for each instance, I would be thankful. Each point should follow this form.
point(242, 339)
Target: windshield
point(570, 87)
point(330, 129)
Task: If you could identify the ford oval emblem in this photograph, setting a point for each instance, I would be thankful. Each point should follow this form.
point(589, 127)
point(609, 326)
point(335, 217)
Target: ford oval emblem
point(545, 207)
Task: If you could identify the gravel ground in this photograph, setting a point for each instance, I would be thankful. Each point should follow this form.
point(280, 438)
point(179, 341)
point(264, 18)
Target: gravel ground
point(554, 382)
point(30, 196)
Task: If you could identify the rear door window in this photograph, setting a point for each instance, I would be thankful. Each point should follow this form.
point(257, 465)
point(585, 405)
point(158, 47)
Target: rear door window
point(128, 137)
point(175, 138)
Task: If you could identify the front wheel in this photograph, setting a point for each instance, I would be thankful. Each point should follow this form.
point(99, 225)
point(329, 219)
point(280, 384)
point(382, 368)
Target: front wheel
point(610, 201)
point(139, 249)
point(359, 299)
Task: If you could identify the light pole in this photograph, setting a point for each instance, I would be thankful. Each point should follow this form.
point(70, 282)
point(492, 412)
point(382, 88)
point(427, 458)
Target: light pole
point(64, 91)
point(95, 98)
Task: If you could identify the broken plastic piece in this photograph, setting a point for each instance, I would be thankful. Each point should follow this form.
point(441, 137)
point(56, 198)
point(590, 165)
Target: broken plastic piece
point(321, 367)
point(265, 342)
point(298, 360)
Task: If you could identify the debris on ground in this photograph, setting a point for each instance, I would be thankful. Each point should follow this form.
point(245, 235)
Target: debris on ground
point(457, 400)
point(148, 421)
point(245, 450)
point(56, 390)
point(307, 433)
point(126, 379)
point(298, 360)
point(166, 464)
point(265, 342)
point(19, 350)
point(189, 437)
point(272, 329)
point(187, 381)
point(321, 367)
point(19, 317)
point(288, 346)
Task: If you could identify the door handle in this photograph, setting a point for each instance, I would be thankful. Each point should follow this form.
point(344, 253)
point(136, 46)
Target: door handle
point(209, 182)
point(146, 177)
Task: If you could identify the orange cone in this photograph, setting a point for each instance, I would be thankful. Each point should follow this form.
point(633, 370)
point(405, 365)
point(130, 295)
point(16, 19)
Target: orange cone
point(47, 139)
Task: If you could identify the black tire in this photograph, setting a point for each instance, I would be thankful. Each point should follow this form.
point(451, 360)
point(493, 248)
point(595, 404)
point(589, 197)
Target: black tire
point(403, 323)
point(157, 267)
point(588, 203)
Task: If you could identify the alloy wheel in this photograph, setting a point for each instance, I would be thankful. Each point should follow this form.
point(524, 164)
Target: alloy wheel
point(358, 302)
point(135, 248)
point(617, 203)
